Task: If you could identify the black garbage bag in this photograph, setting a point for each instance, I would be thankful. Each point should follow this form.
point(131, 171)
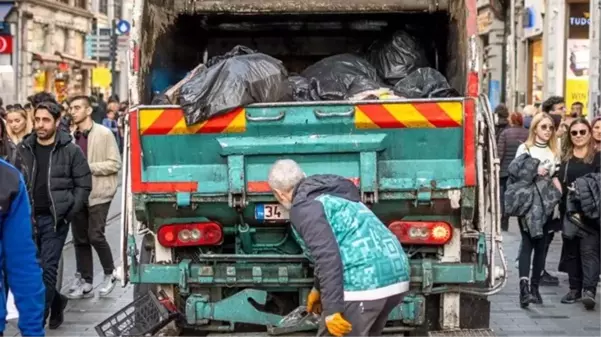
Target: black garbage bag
point(300, 88)
point(341, 76)
point(236, 51)
point(234, 82)
point(425, 83)
point(397, 56)
point(161, 98)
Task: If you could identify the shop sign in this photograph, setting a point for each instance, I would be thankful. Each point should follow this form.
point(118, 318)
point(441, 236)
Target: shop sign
point(6, 44)
point(584, 20)
point(484, 20)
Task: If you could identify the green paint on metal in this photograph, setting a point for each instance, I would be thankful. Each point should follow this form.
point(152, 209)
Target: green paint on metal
point(427, 277)
point(235, 309)
point(235, 172)
point(412, 311)
point(423, 272)
point(183, 199)
point(481, 253)
point(184, 276)
point(424, 183)
point(368, 167)
point(252, 146)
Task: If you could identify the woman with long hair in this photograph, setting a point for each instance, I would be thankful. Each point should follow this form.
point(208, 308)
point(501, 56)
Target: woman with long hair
point(18, 123)
point(542, 145)
point(8, 150)
point(580, 254)
point(596, 125)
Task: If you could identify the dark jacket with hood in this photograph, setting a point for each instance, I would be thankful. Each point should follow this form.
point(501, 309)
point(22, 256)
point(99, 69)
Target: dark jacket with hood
point(70, 180)
point(507, 146)
point(501, 125)
point(356, 257)
point(530, 195)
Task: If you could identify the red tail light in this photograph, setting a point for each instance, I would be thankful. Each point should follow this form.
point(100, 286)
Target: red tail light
point(190, 234)
point(422, 233)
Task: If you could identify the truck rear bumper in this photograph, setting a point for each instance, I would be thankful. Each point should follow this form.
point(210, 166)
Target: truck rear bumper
point(426, 275)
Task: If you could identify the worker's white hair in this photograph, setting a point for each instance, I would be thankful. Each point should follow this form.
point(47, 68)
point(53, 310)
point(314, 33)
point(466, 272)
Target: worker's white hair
point(284, 175)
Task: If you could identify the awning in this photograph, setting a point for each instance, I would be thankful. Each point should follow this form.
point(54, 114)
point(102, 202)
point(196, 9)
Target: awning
point(46, 58)
point(5, 8)
point(88, 64)
point(76, 61)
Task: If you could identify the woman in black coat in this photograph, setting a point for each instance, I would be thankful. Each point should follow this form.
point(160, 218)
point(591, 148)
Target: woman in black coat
point(579, 254)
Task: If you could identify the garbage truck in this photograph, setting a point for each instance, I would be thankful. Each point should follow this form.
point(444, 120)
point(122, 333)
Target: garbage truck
point(205, 243)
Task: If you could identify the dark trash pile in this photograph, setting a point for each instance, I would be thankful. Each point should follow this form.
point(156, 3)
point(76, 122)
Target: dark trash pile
point(395, 68)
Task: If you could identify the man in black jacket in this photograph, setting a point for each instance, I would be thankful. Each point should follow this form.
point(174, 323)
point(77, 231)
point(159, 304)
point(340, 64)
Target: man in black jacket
point(59, 185)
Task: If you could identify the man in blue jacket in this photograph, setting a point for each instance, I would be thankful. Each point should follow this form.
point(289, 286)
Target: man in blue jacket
point(362, 270)
point(18, 254)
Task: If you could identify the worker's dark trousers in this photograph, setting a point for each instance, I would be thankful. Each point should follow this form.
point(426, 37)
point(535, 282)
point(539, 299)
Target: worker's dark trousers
point(368, 318)
point(88, 231)
point(50, 248)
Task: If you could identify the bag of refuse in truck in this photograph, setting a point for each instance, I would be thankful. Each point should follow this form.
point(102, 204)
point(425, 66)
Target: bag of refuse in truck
point(397, 56)
point(425, 83)
point(236, 51)
point(340, 77)
point(381, 94)
point(234, 82)
point(170, 95)
point(300, 88)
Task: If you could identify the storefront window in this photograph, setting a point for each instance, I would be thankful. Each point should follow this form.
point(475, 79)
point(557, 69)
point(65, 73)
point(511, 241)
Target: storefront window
point(536, 70)
point(577, 55)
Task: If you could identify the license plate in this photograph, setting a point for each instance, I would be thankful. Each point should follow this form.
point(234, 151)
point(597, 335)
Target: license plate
point(271, 212)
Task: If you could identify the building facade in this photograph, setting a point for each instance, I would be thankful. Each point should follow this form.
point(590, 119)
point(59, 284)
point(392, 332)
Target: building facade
point(556, 52)
point(492, 31)
point(48, 47)
point(108, 13)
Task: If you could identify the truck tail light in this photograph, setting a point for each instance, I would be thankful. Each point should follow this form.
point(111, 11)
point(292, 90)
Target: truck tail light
point(190, 234)
point(422, 232)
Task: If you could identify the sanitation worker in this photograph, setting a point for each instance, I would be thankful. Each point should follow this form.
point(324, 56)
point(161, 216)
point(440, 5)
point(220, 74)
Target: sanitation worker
point(362, 272)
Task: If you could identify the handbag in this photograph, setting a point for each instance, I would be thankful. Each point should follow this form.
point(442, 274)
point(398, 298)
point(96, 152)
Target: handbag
point(571, 221)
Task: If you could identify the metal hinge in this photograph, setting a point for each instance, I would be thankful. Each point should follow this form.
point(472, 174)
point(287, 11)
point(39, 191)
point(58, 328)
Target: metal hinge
point(236, 179)
point(368, 180)
point(423, 188)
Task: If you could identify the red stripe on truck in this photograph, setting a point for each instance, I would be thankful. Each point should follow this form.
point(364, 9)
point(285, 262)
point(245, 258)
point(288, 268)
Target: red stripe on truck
point(135, 157)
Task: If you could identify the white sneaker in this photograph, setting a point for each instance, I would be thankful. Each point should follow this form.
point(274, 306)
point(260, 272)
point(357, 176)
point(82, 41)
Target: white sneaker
point(109, 283)
point(77, 283)
point(83, 291)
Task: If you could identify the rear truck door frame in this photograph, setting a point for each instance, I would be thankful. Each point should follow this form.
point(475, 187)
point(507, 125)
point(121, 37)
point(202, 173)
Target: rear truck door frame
point(450, 305)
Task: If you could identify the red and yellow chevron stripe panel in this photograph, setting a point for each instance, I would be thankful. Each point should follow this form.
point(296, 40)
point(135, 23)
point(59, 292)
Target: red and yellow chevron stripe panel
point(172, 122)
point(409, 115)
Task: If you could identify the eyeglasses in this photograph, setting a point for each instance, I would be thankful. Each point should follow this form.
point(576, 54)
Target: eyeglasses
point(575, 133)
point(546, 127)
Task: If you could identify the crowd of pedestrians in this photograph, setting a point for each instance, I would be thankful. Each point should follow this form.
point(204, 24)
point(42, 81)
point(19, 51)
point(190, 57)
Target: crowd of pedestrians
point(545, 156)
point(59, 164)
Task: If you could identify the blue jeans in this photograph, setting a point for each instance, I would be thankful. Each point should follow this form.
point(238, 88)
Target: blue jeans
point(50, 248)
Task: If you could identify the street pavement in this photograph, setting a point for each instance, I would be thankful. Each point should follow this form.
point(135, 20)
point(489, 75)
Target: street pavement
point(550, 319)
point(507, 318)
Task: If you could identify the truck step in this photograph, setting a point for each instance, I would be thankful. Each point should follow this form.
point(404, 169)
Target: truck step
point(463, 333)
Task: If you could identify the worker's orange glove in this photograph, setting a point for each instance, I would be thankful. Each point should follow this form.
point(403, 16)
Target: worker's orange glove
point(337, 325)
point(314, 302)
